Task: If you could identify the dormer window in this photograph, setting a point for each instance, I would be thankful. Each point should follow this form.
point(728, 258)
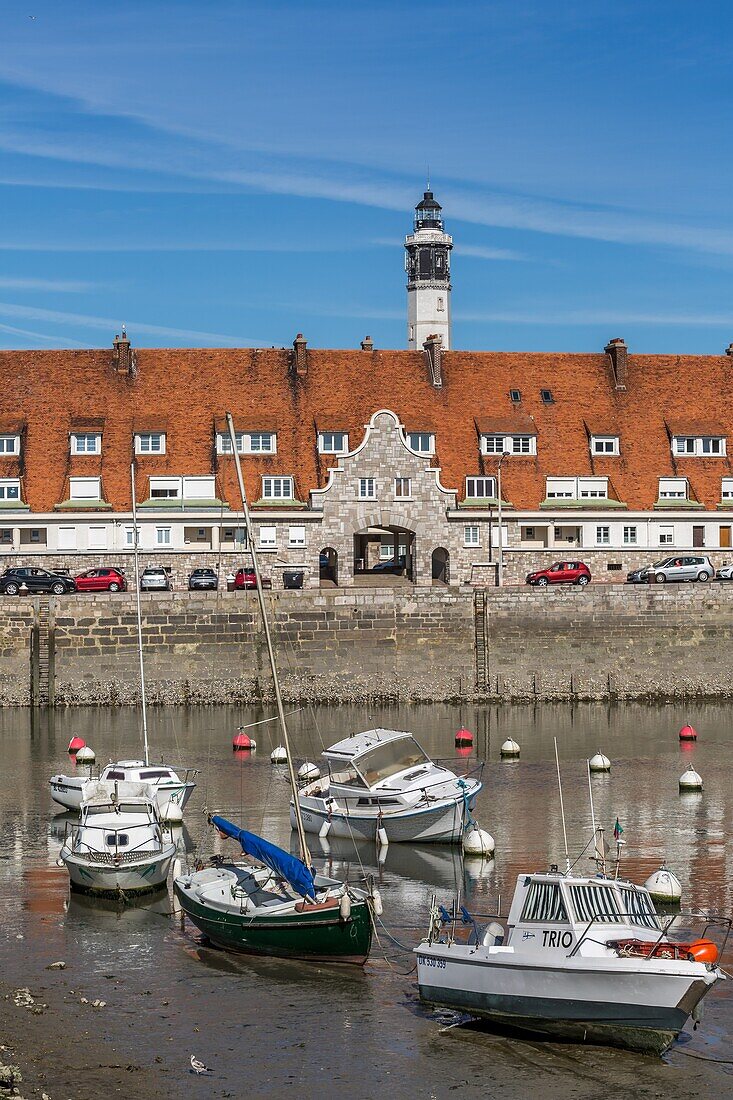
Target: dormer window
point(333, 443)
point(480, 488)
point(726, 491)
point(277, 488)
point(150, 443)
point(86, 443)
point(577, 488)
point(422, 442)
point(699, 445)
point(604, 445)
point(85, 488)
point(9, 444)
point(248, 443)
point(509, 444)
point(673, 488)
point(9, 489)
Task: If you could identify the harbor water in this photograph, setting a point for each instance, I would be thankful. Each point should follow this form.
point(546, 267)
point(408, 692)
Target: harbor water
point(268, 1027)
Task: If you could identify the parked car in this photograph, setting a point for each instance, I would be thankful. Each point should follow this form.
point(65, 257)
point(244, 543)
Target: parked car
point(561, 572)
point(203, 579)
point(246, 578)
point(35, 580)
point(102, 580)
point(390, 565)
point(638, 576)
point(683, 568)
point(725, 573)
point(154, 578)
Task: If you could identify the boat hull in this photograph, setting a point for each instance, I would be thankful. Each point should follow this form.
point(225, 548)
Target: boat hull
point(316, 934)
point(442, 824)
point(619, 1005)
point(108, 880)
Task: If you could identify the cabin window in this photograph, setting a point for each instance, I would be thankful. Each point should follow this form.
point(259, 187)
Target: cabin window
point(591, 901)
point(349, 777)
point(639, 908)
point(117, 840)
point(544, 903)
point(160, 774)
point(115, 775)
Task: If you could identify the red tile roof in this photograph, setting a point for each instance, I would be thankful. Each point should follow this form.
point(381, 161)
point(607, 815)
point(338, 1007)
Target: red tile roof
point(186, 392)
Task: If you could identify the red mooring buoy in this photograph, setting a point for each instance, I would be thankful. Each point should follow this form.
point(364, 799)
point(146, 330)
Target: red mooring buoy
point(241, 742)
point(464, 750)
point(464, 737)
point(688, 733)
point(75, 744)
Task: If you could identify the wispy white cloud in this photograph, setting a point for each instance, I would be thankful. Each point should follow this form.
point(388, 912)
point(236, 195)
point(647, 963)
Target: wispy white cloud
point(53, 286)
point(13, 331)
point(480, 252)
point(111, 325)
point(597, 317)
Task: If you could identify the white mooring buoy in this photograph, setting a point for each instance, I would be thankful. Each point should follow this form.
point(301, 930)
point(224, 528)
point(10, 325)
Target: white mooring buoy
point(86, 755)
point(599, 763)
point(279, 755)
point(664, 886)
point(689, 780)
point(510, 748)
point(477, 842)
point(309, 771)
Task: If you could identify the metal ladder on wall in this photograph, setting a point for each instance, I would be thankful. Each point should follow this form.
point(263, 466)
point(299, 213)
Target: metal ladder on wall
point(479, 630)
point(43, 654)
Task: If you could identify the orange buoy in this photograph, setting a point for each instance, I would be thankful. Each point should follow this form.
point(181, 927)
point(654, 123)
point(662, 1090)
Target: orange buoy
point(75, 744)
point(703, 951)
point(242, 742)
point(688, 733)
point(464, 737)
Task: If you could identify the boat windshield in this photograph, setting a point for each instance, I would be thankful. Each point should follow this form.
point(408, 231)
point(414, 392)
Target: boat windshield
point(544, 903)
point(389, 758)
point(592, 900)
point(639, 908)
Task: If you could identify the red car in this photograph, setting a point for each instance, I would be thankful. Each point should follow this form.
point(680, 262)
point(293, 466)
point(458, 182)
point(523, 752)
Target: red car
point(101, 580)
point(245, 578)
point(561, 572)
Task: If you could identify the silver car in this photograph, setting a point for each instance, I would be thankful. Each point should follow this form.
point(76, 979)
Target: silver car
point(725, 573)
point(683, 567)
point(155, 579)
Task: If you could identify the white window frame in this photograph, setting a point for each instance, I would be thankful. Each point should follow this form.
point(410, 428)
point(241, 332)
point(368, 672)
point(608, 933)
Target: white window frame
point(423, 443)
point(144, 443)
point(327, 445)
point(576, 488)
point(400, 484)
point(10, 488)
point(472, 536)
point(713, 446)
point(76, 438)
point(520, 445)
point(592, 488)
point(604, 445)
point(79, 483)
point(97, 537)
point(673, 488)
point(603, 535)
point(267, 536)
point(296, 536)
point(701, 446)
point(665, 535)
point(206, 482)
point(164, 536)
point(726, 488)
point(165, 488)
point(66, 534)
point(473, 483)
point(248, 443)
point(9, 444)
point(129, 537)
point(631, 534)
point(366, 488)
point(274, 487)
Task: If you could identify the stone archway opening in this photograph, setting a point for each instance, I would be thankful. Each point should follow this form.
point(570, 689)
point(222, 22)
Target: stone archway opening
point(328, 564)
point(384, 554)
point(440, 566)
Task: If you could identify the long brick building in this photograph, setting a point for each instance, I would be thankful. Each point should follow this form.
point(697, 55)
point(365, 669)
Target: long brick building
point(355, 456)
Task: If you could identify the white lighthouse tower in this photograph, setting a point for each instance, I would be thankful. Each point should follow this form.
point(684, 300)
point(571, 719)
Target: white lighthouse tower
point(427, 263)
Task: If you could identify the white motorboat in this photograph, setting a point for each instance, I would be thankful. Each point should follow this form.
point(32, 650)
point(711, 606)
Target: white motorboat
point(382, 780)
point(582, 958)
point(70, 791)
point(118, 848)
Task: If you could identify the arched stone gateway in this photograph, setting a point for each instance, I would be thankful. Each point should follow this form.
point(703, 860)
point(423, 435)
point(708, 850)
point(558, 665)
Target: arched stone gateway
point(440, 566)
point(384, 549)
point(328, 563)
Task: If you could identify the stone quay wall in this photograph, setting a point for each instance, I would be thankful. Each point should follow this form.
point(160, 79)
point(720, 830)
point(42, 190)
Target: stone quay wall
point(381, 644)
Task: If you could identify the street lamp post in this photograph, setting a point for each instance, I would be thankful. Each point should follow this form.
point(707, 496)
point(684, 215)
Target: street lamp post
point(500, 544)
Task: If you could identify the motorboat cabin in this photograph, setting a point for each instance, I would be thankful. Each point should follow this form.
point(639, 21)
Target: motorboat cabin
point(70, 790)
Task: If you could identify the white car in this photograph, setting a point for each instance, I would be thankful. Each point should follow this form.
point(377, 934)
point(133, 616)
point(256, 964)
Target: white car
point(725, 573)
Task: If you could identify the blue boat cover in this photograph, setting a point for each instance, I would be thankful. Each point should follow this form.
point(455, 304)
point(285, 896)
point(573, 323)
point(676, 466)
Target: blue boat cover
point(279, 861)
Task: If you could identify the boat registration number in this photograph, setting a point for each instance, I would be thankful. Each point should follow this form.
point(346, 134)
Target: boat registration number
point(431, 960)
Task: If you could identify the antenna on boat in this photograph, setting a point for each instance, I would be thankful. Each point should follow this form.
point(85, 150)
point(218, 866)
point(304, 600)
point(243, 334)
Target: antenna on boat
point(562, 808)
point(304, 852)
point(139, 614)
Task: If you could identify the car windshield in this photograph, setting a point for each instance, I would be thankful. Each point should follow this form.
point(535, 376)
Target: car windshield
point(390, 758)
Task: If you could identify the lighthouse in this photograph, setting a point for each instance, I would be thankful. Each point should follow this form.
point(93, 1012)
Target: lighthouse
point(427, 262)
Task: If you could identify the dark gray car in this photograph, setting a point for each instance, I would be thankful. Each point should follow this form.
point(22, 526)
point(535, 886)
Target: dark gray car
point(203, 579)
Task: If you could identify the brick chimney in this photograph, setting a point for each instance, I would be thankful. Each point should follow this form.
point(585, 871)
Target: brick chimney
point(123, 359)
point(433, 348)
point(729, 350)
point(617, 352)
point(300, 356)
point(367, 344)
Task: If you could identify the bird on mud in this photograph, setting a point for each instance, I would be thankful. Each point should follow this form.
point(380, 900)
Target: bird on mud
point(197, 1066)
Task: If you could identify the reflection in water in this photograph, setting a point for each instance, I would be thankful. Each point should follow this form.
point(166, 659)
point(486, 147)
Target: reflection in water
point(519, 806)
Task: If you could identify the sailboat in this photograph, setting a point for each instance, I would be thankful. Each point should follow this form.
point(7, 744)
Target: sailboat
point(170, 789)
point(277, 905)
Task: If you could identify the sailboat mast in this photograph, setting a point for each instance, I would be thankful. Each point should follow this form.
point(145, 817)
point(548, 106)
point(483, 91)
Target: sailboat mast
point(139, 615)
point(304, 852)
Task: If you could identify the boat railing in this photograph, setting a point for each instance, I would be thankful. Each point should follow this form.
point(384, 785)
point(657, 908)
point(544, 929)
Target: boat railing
point(710, 920)
point(466, 773)
point(118, 853)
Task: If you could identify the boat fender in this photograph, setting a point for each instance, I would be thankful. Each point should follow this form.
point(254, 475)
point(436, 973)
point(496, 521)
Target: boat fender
point(325, 829)
point(345, 907)
point(703, 951)
point(382, 837)
point(377, 902)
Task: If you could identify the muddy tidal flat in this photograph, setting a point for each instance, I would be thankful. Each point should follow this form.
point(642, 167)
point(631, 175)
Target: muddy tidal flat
point(140, 993)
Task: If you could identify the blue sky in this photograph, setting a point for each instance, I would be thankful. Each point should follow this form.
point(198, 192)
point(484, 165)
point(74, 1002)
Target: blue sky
point(230, 173)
